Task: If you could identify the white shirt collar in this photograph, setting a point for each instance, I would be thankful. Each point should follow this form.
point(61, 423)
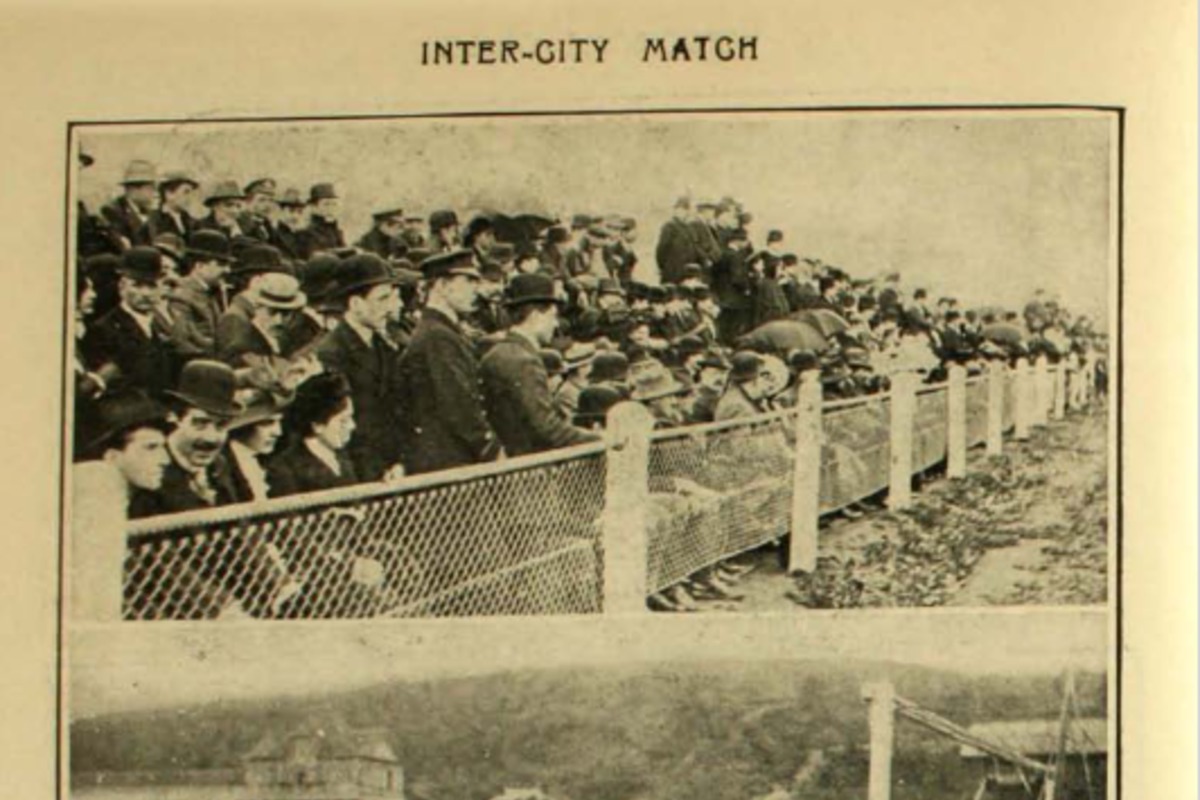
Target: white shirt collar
point(366, 334)
point(144, 321)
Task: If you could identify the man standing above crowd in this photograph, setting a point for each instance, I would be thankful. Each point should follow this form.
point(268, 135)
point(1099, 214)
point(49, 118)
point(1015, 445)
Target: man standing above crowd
point(127, 215)
point(324, 233)
point(198, 301)
point(441, 408)
point(356, 348)
point(676, 243)
point(255, 221)
point(515, 385)
point(171, 216)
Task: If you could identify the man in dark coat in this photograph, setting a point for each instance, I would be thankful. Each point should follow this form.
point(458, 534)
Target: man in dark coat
point(126, 216)
point(516, 388)
point(174, 193)
point(733, 290)
point(676, 243)
point(704, 231)
point(197, 303)
point(384, 237)
point(291, 232)
point(127, 337)
point(356, 349)
point(323, 230)
point(443, 419)
point(255, 221)
point(224, 203)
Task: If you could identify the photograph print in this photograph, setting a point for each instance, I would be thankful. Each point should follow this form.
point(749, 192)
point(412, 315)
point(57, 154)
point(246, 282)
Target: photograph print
point(602, 363)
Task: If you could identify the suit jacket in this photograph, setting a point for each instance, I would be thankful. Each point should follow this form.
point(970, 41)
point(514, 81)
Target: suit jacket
point(371, 372)
point(442, 412)
point(209, 223)
point(195, 311)
point(377, 242)
point(707, 247)
point(144, 362)
point(239, 339)
point(125, 222)
point(255, 227)
point(296, 470)
point(517, 396)
point(324, 234)
point(676, 249)
point(293, 244)
point(176, 493)
point(161, 222)
point(731, 281)
point(735, 403)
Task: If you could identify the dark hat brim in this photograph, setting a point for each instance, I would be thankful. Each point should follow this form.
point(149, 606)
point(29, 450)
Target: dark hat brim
point(537, 298)
point(342, 291)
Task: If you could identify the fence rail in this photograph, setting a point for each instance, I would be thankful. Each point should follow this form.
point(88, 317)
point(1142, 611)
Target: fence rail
point(583, 530)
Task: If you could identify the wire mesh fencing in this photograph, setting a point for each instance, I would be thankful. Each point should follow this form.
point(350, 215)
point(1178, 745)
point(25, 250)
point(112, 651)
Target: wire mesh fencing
point(534, 535)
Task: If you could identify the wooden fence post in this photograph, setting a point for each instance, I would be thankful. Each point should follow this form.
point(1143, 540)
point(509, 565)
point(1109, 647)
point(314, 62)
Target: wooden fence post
point(1060, 390)
point(1041, 390)
point(97, 523)
point(806, 475)
point(881, 715)
point(956, 423)
point(626, 497)
point(997, 375)
point(904, 406)
point(1022, 392)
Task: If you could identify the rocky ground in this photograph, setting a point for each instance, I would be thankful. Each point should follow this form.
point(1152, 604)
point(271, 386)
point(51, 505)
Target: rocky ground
point(1027, 528)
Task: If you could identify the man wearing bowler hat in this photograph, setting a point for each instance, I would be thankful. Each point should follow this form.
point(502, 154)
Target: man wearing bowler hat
point(127, 215)
point(197, 476)
point(324, 232)
point(366, 294)
point(516, 388)
point(224, 203)
point(256, 220)
point(198, 301)
point(174, 194)
point(128, 337)
point(384, 237)
point(443, 418)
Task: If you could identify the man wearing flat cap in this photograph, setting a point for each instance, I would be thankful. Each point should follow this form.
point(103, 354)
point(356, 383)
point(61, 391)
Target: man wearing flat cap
point(384, 238)
point(198, 301)
point(127, 215)
point(172, 216)
point(442, 412)
point(257, 218)
point(128, 337)
point(516, 388)
point(224, 204)
point(324, 232)
point(357, 348)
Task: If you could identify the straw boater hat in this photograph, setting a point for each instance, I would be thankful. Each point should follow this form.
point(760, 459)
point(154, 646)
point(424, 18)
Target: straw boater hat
point(280, 291)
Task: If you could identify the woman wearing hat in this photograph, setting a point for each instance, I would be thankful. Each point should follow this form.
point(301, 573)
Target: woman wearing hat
point(253, 434)
point(320, 423)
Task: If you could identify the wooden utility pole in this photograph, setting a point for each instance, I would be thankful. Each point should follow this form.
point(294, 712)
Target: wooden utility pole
point(881, 700)
point(806, 476)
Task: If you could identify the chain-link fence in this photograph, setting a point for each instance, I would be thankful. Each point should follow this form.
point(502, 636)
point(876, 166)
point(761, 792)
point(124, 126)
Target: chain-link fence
point(716, 490)
point(518, 540)
point(528, 536)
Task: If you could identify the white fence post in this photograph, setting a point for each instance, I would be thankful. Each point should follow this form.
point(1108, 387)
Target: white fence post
point(806, 476)
point(904, 405)
point(97, 529)
point(1041, 390)
point(956, 422)
point(1089, 377)
point(881, 716)
point(626, 497)
point(997, 375)
point(1022, 392)
point(1060, 390)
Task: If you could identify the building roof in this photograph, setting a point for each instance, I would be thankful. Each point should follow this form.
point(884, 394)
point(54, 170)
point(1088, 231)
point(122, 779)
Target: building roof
point(337, 741)
point(1039, 737)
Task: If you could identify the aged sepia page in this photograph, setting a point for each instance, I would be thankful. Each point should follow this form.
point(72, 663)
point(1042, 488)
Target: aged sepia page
point(544, 400)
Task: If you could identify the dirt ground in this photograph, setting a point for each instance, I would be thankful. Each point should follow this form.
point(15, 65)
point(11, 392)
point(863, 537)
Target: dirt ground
point(1029, 527)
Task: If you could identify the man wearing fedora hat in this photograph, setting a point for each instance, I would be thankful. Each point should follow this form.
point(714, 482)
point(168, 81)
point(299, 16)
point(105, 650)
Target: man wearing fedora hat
point(198, 301)
point(256, 350)
point(324, 232)
point(257, 218)
point(366, 294)
point(174, 195)
point(384, 237)
point(128, 336)
point(127, 215)
point(516, 390)
point(224, 203)
point(443, 417)
point(197, 476)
